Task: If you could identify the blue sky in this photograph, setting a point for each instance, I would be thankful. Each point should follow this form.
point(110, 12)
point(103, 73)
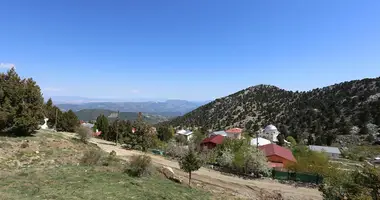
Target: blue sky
point(194, 50)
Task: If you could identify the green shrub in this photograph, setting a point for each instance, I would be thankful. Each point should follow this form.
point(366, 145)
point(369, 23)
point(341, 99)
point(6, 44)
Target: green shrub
point(84, 134)
point(140, 165)
point(111, 159)
point(91, 157)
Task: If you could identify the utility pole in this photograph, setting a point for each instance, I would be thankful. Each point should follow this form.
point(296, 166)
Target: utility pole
point(117, 127)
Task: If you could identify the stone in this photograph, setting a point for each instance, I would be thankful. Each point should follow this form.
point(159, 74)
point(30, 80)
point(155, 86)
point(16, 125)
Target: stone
point(168, 172)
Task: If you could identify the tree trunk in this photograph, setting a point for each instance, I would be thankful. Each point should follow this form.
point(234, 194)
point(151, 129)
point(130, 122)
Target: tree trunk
point(190, 179)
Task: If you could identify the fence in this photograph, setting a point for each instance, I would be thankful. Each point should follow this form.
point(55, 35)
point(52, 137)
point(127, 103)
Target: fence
point(295, 176)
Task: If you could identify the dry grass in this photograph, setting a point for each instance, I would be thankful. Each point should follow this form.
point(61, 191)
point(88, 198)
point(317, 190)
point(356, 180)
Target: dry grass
point(48, 168)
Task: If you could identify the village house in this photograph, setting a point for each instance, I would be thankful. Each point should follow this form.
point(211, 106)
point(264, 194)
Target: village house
point(187, 133)
point(212, 141)
point(332, 152)
point(278, 157)
point(234, 133)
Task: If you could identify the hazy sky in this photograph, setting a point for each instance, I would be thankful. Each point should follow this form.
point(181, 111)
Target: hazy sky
point(188, 49)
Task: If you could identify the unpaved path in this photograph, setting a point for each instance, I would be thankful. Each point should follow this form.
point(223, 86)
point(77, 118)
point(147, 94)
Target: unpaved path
point(242, 188)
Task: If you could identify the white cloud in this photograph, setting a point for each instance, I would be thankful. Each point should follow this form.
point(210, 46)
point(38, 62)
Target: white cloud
point(7, 66)
point(135, 91)
point(51, 89)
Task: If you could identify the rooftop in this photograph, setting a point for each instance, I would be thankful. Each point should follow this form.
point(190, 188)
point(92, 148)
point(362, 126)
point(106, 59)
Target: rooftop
point(324, 149)
point(184, 132)
point(234, 130)
point(222, 133)
point(216, 139)
point(274, 149)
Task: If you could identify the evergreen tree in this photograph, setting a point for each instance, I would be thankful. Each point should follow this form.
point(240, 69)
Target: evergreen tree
point(364, 130)
point(284, 130)
point(103, 126)
point(165, 133)
point(281, 140)
point(190, 162)
point(248, 125)
point(68, 122)
point(310, 140)
point(21, 104)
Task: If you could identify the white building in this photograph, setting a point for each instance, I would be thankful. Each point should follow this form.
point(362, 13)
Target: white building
point(270, 132)
point(259, 141)
point(332, 152)
point(188, 134)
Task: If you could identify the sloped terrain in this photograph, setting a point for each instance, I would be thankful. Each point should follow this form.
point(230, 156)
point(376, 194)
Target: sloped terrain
point(48, 166)
point(325, 112)
point(92, 114)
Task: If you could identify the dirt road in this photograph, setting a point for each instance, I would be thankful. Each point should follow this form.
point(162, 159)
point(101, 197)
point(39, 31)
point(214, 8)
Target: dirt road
point(238, 187)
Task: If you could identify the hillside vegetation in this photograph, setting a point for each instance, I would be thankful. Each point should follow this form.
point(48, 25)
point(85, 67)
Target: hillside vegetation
point(346, 108)
point(167, 108)
point(92, 114)
point(51, 166)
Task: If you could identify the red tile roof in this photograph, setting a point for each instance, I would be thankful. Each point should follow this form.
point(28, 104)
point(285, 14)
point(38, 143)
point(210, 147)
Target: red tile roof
point(274, 149)
point(216, 139)
point(234, 130)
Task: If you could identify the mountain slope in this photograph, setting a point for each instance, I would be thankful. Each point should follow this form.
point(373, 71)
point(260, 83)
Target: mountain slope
point(168, 108)
point(92, 114)
point(324, 111)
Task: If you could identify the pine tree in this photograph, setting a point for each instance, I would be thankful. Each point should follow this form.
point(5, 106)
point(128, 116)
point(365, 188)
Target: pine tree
point(68, 121)
point(190, 162)
point(20, 104)
point(103, 126)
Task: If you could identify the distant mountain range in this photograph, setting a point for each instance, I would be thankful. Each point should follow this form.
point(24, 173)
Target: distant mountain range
point(92, 114)
point(168, 108)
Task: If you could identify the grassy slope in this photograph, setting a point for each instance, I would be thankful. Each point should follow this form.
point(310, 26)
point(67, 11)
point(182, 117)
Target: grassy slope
point(61, 178)
point(80, 182)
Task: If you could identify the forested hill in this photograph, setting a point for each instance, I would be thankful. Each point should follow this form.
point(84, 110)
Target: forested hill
point(92, 114)
point(323, 112)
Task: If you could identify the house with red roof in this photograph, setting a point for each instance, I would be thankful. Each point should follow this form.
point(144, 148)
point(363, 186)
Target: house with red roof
point(212, 141)
point(278, 156)
point(235, 133)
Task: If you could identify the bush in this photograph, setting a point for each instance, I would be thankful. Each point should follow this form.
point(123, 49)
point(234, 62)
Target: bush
point(84, 134)
point(91, 157)
point(140, 165)
point(175, 151)
point(111, 159)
